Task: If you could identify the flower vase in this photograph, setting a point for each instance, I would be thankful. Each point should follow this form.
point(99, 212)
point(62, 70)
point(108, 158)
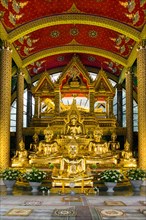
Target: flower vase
point(34, 186)
point(136, 184)
point(110, 186)
point(9, 184)
point(43, 192)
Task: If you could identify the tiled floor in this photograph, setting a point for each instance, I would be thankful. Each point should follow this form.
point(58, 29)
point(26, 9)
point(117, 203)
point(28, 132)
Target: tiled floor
point(122, 204)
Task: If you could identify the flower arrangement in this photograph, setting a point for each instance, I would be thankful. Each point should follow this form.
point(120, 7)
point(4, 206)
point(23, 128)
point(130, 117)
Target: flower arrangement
point(35, 175)
point(96, 189)
point(136, 174)
point(44, 188)
point(11, 174)
point(111, 176)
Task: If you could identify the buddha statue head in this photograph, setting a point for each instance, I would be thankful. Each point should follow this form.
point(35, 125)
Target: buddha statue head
point(98, 134)
point(73, 118)
point(48, 132)
point(72, 149)
point(21, 145)
point(114, 136)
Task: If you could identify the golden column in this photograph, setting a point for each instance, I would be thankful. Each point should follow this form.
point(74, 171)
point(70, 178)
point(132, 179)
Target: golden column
point(119, 105)
point(29, 105)
point(19, 115)
point(110, 107)
point(57, 100)
point(141, 76)
point(92, 99)
point(129, 107)
point(37, 107)
point(5, 103)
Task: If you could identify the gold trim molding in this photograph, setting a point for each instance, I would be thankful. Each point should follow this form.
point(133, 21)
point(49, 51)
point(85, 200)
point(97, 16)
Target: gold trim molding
point(73, 19)
point(74, 49)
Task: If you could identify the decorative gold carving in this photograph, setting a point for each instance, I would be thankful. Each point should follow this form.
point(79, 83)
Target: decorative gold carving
point(74, 49)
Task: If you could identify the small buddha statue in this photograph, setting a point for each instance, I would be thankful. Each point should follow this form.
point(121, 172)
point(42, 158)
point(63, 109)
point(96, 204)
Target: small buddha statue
point(127, 159)
point(113, 144)
point(20, 159)
point(97, 146)
point(34, 145)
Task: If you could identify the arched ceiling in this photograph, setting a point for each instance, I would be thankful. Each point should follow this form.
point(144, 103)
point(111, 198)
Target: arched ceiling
point(45, 34)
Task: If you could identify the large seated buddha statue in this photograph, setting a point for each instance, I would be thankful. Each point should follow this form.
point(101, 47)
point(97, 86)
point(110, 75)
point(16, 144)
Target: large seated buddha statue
point(74, 127)
point(48, 149)
point(98, 150)
point(72, 167)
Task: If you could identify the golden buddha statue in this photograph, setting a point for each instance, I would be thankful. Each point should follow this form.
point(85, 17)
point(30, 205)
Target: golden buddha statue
point(127, 159)
point(48, 146)
point(47, 149)
point(34, 145)
point(97, 146)
point(20, 159)
point(113, 144)
point(74, 127)
point(99, 152)
point(72, 168)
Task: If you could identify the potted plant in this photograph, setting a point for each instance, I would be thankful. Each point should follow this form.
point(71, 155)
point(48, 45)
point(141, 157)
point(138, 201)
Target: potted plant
point(35, 178)
point(136, 177)
point(10, 177)
point(110, 178)
point(93, 166)
point(44, 189)
point(51, 166)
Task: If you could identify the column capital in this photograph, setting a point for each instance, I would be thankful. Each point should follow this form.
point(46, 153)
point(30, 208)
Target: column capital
point(142, 45)
point(119, 87)
point(6, 46)
point(129, 71)
point(20, 72)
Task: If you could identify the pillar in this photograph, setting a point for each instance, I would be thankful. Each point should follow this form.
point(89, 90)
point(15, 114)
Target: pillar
point(19, 113)
point(5, 103)
point(109, 107)
point(92, 97)
point(29, 104)
point(141, 77)
point(57, 101)
point(129, 108)
point(37, 107)
point(119, 105)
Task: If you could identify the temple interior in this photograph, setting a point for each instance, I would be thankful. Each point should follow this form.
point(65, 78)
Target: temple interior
point(72, 88)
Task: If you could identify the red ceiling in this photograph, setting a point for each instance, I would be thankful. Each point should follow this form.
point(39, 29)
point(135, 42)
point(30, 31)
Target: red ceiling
point(16, 13)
